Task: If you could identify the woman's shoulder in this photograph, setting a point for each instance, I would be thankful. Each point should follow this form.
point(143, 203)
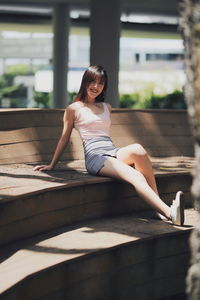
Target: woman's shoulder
point(108, 106)
point(75, 106)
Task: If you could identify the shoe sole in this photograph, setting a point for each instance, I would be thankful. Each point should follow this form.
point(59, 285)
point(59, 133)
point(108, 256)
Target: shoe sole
point(181, 206)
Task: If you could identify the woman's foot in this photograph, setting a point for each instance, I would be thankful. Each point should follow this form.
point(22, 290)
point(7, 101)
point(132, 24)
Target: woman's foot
point(177, 210)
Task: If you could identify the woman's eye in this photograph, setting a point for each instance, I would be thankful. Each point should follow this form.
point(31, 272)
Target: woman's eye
point(96, 83)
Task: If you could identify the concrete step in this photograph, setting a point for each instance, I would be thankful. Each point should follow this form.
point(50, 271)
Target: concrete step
point(133, 256)
point(34, 202)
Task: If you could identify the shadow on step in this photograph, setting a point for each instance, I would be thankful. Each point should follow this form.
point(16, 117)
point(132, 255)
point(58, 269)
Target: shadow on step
point(130, 227)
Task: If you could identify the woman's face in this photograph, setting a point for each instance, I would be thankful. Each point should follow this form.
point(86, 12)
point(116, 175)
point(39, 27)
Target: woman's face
point(94, 89)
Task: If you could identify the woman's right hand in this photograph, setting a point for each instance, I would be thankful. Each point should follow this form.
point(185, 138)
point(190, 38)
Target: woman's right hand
point(43, 168)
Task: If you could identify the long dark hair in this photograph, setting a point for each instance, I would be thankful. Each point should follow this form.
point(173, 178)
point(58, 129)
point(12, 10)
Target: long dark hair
point(91, 74)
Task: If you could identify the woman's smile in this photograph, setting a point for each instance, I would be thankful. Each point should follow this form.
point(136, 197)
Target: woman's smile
point(94, 89)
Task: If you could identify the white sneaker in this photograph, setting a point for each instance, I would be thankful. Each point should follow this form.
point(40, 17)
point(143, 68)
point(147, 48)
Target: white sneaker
point(177, 210)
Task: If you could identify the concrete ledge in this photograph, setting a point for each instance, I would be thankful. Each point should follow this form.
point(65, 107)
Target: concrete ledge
point(30, 135)
point(125, 257)
point(35, 202)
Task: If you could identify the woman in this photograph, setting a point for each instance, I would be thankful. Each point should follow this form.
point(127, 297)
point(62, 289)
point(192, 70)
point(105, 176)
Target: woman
point(90, 116)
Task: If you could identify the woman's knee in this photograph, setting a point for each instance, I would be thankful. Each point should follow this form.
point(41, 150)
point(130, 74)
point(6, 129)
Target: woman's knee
point(137, 149)
point(138, 179)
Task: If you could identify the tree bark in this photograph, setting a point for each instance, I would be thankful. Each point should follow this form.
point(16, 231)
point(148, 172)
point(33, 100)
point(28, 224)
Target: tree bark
point(190, 28)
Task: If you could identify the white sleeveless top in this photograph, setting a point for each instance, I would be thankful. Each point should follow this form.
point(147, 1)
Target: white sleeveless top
point(90, 125)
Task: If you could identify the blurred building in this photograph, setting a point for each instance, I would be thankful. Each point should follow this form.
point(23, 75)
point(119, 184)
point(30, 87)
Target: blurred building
point(149, 41)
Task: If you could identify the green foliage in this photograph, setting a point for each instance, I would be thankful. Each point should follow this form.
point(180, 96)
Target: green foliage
point(42, 100)
point(127, 101)
point(16, 94)
point(3, 82)
point(18, 102)
point(13, 91)
point(147, 99)
point(72, 96)
point(18, 69)
point(175, 100)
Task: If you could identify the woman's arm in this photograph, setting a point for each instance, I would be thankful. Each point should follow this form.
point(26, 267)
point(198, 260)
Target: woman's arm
point(68, 121)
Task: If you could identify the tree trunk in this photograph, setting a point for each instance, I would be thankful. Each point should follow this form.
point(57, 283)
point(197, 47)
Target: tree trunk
point(190, 27)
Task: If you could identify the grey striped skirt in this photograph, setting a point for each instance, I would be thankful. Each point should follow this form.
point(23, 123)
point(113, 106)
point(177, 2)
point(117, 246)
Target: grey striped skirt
point(96, 152)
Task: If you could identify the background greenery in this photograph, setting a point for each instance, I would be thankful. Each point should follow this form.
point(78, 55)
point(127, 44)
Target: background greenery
point(16, 94)
point(174, 100)
point(143, 98)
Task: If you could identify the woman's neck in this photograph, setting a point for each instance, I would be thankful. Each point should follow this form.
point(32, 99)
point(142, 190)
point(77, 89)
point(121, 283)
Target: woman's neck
point(90, 101)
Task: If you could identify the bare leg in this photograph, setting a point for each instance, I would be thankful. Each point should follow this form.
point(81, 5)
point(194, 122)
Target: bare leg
point(136, 155)
point(117, 169)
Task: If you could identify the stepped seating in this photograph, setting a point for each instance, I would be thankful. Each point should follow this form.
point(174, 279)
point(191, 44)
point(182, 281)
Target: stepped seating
point(126, 257)
point(35, 203)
